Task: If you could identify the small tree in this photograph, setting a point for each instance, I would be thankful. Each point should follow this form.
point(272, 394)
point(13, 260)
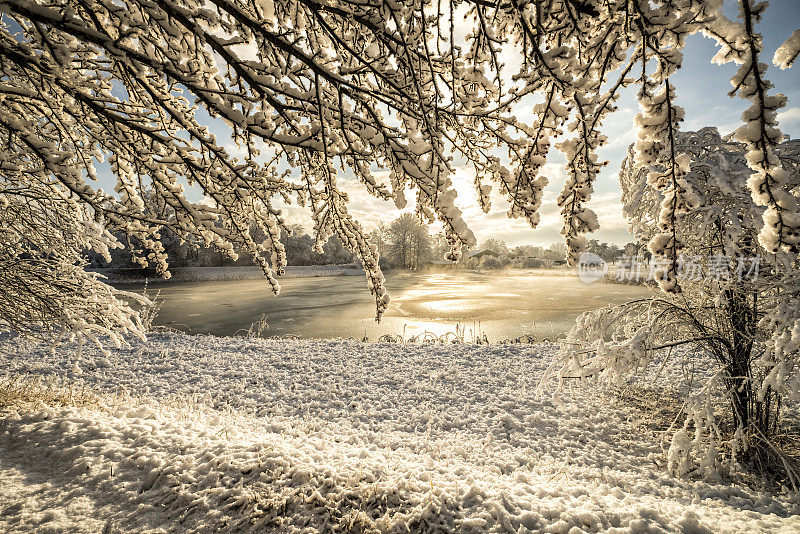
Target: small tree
point(737, 307)
point(498, 246)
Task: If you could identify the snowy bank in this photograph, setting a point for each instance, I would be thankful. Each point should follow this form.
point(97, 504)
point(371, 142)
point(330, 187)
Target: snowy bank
point(218, 274)
point(203, 434)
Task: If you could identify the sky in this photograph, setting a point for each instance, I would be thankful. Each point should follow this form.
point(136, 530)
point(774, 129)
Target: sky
point(702, 89)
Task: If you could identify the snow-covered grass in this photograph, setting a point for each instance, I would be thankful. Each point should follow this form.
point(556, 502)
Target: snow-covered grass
point(218, 274)
point(205, 434)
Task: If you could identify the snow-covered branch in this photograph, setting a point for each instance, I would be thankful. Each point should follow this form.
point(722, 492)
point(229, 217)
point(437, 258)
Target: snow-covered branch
point(313, 90)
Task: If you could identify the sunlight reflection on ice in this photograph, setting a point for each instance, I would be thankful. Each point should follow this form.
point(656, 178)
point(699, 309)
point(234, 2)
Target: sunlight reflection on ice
point(451, 305)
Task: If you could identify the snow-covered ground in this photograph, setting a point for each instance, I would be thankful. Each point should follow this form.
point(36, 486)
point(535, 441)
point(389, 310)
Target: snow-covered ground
point(208, 434)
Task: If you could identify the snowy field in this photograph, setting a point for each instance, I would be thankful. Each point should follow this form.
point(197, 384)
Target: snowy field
point(205, 434)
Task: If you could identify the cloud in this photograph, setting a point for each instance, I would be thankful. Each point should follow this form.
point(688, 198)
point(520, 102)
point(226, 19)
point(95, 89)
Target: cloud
point(620, 132)
point(789, 116)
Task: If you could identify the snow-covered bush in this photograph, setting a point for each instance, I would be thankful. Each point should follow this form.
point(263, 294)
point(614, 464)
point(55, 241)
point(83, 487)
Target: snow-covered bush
point(738, 304)
point(525, 263)
point(491, 262)
point(42, 280)
point(307, 89)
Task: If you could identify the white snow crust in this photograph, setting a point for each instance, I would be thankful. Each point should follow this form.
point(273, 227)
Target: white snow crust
point(206, 434)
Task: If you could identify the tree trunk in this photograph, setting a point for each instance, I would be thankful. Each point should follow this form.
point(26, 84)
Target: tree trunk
point(742, 324)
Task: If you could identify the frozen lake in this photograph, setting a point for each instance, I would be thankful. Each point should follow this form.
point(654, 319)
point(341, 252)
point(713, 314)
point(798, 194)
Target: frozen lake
point(502, 305)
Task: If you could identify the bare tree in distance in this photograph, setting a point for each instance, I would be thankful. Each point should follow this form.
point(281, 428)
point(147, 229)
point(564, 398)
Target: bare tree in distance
point(409, 243)
point(309, 88)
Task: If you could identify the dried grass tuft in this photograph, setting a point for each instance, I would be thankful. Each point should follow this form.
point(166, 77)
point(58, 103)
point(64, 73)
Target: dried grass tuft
point(24, 390)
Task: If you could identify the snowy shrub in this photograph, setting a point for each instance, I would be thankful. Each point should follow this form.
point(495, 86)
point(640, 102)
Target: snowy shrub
point(149, 309)
point(491, 262)
point(42, 280)
point(734, 304)
point(302, 90)
point(258, 328)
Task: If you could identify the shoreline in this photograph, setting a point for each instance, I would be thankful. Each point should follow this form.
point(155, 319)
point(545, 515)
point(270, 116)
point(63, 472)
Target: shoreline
point(222, 274)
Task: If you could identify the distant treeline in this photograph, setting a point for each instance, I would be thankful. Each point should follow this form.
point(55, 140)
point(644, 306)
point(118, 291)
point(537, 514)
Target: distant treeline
point(495, 254)
point(405, 243)
point(182, 253)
